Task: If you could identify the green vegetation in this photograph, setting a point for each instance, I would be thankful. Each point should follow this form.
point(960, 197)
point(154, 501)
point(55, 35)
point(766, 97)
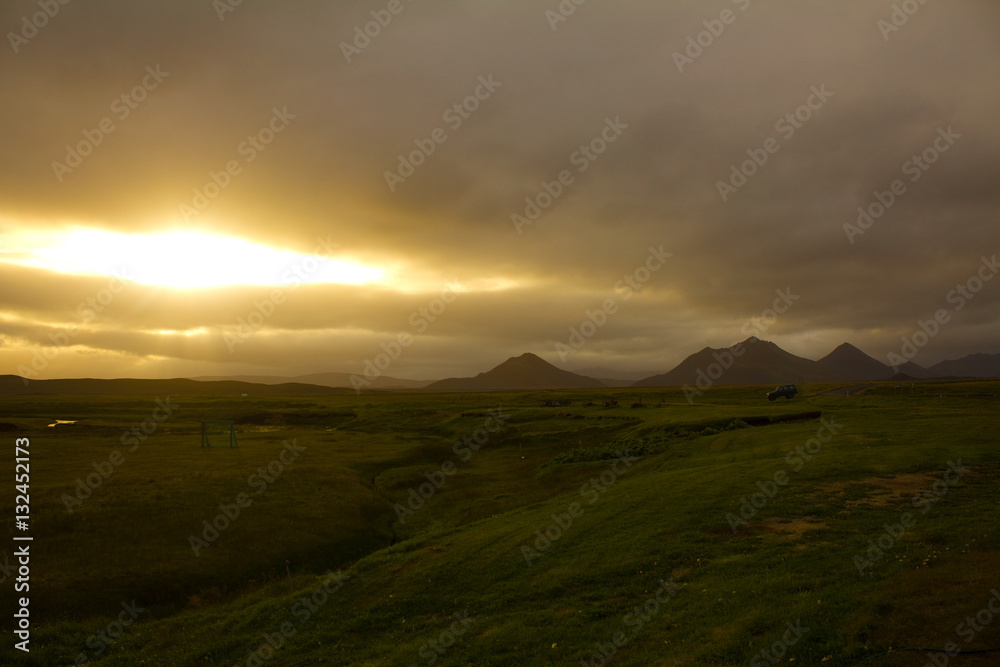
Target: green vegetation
point(488, 530)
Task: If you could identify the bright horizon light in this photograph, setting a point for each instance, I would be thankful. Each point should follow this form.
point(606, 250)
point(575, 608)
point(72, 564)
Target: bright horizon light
point(182, 259)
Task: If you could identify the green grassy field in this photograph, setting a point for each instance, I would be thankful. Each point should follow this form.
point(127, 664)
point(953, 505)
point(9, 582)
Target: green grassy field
point(420, 529)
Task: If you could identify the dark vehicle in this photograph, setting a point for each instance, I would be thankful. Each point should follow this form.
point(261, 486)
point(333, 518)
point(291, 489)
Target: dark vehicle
point(786, 390)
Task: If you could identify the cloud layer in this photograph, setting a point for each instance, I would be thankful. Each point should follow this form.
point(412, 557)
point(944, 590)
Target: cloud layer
point(618, 123)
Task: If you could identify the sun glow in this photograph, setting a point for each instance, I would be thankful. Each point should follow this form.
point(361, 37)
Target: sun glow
point(200, 331)
point(182, 259)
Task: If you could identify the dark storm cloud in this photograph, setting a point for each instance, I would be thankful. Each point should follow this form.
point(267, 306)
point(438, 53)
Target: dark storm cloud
point(656, 183)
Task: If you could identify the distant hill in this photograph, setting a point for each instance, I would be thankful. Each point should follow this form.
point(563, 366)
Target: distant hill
point(527, 371)
point(848, 363)
point(15, 385)
point(914, 371)
point(624, 378)
point(322, 379)
point(614, 382)
point(973, 365)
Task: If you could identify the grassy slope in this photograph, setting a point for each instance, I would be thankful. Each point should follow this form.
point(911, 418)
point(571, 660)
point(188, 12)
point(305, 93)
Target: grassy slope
point(664, 518)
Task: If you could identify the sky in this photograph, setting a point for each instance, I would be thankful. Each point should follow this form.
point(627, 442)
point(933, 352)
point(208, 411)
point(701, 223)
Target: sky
point(220, 188)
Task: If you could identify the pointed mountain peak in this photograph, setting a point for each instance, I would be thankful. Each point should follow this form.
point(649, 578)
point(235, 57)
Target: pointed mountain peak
point(847, 362)
point(526, 359)
point(526, 371)
point(753, 340)
point(846, 351)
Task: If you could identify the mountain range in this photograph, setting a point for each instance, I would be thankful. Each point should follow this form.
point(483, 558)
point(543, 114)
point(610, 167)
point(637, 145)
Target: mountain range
point(973, 365)
point(756, 361)
point(752, 361)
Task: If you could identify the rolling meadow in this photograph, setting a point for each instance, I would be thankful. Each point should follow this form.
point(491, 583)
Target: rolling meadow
point(488, 529)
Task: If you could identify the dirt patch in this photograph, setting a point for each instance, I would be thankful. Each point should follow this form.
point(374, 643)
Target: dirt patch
point(792, 527)
point(879, 490)
point(906, 483)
